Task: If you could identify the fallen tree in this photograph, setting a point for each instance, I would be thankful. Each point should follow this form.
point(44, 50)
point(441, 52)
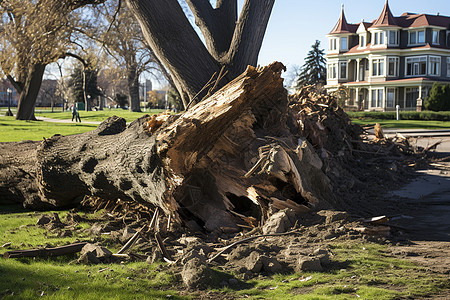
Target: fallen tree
point(229, 160)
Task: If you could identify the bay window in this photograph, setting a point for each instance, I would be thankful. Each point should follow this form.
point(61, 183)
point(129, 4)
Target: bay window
point(332, 71)
point(390, 97)
point(343, 44)
point(393, 37)
point(343, 70)
point(416, 66)
point(377, 98)
point(435, 66)
point(378, 67)
point(435, 37)
point(393, 66)
point(417, 37)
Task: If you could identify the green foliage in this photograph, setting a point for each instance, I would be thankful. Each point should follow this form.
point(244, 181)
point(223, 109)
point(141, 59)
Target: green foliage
point(314, 71)
point(76, 83)
point(174, 98)
point(439, 98)
point(121, 100)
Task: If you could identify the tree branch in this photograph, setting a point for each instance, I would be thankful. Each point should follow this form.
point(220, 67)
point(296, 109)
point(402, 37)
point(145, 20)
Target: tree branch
point(249, 34)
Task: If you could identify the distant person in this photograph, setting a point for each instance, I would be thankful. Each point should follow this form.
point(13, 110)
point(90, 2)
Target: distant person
point(75, 114)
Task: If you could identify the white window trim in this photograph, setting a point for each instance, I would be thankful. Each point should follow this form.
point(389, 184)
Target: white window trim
point(429, 66)
point(396, 37)
point(384, 67)
point(432, 36)
point(397, 66)
point(380, 32)
point(417, 37)
point(340, 39)
point(346, 70)
point(448, 66)
point(365, 41)
point(335, 40)
point(329, 66)
point(376, 100)
point(395, 94)
point(406, 65)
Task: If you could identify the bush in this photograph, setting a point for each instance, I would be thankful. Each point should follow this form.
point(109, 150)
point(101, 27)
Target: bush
point(439, 98)
point(404, 115)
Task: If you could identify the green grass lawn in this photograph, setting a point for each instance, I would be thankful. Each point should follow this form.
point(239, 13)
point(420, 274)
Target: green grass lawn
point(12, 130)
point(97, 116)
point(361, 270)
point(403, 124)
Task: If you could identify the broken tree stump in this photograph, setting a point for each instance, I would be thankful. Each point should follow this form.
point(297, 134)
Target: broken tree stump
point(194, 167)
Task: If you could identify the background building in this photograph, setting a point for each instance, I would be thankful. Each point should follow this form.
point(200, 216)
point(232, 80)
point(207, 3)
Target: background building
point(390, 61)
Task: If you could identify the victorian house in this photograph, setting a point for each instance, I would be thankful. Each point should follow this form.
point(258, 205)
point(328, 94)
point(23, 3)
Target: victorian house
point(390, 61)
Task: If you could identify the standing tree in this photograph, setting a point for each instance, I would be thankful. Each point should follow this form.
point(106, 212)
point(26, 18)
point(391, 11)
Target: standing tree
point(314, 70)
point(439, 97)
point(122, 37)
point(83, 81)
point(231, 43)
point(32, 35)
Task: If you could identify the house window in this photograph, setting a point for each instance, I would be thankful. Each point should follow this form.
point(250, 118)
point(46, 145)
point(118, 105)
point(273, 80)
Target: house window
point(362, 41)
point(378, 67)
point(393, 37)
point(411, 97)
point(390, 97)
point(435, 66)
point(343, 70)
point(393, 66)
point(378, 38)
point(333, 44)
point(435, 39)
point(448, 66)
point(332, 71)
point(343, 45)
point(377, 98)
point(417, 37)
point(416, 66)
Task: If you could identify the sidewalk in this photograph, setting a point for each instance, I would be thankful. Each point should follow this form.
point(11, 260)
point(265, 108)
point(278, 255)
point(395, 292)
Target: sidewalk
point(415, 132)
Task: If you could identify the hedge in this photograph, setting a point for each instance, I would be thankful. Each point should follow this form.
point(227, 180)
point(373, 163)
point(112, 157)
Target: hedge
point(404, 115)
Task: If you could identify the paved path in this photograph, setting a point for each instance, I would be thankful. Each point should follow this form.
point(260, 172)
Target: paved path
point(65, 121)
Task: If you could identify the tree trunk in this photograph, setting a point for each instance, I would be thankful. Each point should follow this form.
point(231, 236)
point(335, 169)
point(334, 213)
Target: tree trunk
point(133, 88)
point(232, 155)
point(232, 45)
point(30, 91)
point(176, 44)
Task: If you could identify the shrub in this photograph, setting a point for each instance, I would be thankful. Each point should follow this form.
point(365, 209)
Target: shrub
point(439, 98)
point(404, 115)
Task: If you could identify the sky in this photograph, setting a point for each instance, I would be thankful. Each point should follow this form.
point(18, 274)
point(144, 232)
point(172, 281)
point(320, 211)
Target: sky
point(295, 25)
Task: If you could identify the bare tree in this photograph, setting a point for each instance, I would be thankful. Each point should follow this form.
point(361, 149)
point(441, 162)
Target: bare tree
point(32, 35)
point(119, 33)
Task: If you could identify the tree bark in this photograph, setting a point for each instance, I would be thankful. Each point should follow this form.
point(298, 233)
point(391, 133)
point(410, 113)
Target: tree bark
point(133, 88)
point(176, 44)
point(194, 167)
point(27, 98)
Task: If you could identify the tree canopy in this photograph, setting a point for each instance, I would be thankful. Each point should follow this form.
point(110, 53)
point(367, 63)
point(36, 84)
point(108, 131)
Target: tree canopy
point(314, 71)
point(439, 97)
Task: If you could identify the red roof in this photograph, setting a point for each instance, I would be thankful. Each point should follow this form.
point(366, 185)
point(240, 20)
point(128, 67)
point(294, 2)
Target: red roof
point(342, 26)
point(386, 18)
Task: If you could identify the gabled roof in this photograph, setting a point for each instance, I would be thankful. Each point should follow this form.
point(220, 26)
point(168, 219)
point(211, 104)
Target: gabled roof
point(342, 26)
point(386, 18)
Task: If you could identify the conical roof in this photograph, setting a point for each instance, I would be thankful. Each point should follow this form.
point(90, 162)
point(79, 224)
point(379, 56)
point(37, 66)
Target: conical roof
point(342, 26)
point(386, 18)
